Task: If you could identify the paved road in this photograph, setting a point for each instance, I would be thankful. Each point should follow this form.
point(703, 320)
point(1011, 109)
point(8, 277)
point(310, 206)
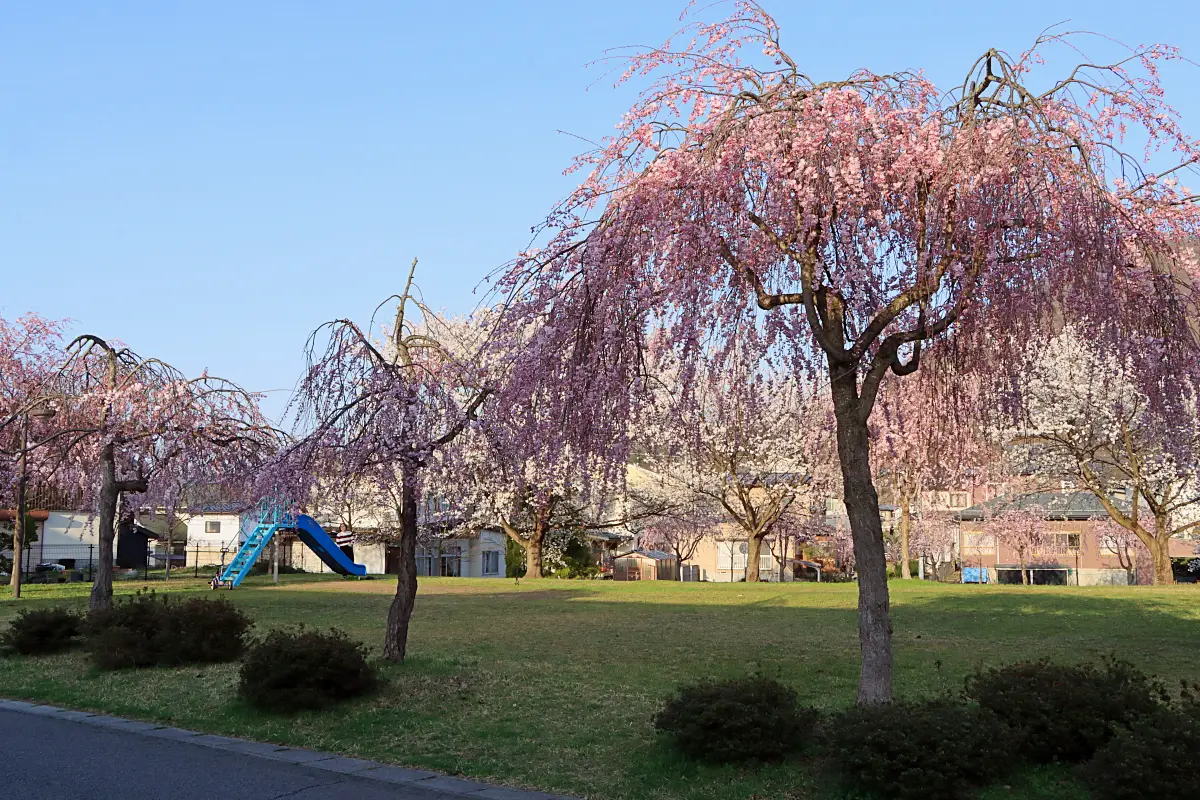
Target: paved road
point(57, 759)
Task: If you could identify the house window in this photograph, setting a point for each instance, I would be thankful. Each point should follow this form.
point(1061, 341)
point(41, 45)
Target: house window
point(451, 566)
point(958, 499)
point(731, 556)
point(425, 559)
point(978, 543)
point(491, 562)
point(1057, 544)
point(212, 526)
point(765, 562)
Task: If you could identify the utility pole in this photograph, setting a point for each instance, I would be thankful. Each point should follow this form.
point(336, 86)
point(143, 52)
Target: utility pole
point(275, 558)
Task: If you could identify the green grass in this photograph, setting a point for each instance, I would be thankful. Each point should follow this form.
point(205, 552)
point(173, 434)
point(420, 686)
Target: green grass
point(551, 684)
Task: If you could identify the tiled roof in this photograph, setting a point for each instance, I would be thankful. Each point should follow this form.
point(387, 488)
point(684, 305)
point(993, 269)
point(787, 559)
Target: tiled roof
point(1056, 505)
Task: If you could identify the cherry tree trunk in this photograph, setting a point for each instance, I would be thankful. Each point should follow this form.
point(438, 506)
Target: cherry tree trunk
point(753, 559)
point(1024, 574)
point(905, 523)
point(1160, 552)
point(19, 529)
point(866, 529)
point(533, 556)
point(395, 642)
point(102, 591)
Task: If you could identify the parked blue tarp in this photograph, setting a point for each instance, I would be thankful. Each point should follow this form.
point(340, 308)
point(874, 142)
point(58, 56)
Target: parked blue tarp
point(974, 575)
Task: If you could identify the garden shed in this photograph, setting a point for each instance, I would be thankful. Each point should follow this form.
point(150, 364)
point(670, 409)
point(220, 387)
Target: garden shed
point(645, 565)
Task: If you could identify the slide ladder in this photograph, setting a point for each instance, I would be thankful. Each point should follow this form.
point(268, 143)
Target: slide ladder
point(308, 530)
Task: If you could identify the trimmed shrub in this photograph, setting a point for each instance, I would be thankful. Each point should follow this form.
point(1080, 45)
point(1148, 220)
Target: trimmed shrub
point(293, 670)
point(1065, 712)
point(114, 647)
point(41, 631)
point(148, 630)
point(204, 631)
point(754, 718)
point(936, 750)
point(1154, 757)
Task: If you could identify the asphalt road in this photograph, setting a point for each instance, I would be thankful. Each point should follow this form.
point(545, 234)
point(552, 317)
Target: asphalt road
point(56, 759)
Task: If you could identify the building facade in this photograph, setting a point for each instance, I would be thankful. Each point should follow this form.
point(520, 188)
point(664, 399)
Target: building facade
point(1071, 553)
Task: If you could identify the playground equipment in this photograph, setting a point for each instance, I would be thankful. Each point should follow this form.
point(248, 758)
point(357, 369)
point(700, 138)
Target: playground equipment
point(271, 520)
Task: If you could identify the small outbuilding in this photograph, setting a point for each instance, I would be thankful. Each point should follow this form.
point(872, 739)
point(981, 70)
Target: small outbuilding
point(645, 565)
point(802, 568)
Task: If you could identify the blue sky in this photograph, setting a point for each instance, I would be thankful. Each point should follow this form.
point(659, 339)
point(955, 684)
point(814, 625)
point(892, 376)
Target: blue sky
point(209, 181)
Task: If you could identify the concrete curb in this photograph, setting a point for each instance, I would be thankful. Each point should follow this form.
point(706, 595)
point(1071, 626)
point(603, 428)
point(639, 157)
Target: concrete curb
point(356, 767)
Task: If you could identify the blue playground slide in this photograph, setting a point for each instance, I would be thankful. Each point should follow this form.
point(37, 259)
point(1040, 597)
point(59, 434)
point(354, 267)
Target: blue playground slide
point(307, 529)
point(313, 535)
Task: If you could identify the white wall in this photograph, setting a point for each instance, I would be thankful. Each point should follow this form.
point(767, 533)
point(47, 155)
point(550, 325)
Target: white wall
point(229, 524)
point(374, 556)
point(486, 541)
point(1103, 577)
point(63, 527)
point(371, 556)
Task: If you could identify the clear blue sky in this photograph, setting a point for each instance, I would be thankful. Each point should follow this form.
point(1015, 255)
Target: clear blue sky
point(209, 181)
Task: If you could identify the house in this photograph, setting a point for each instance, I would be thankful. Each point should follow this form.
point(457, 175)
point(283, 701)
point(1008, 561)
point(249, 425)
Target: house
point(72, 538)
point(475, 555)
point(1072, 554)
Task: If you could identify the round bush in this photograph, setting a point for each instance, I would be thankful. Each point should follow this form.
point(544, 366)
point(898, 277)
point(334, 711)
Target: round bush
point(936, 750)
point(292, 670)
point(1154, 757)
point(205, 631)
point(41, 631)
point(1061, 712)
point(735, 720)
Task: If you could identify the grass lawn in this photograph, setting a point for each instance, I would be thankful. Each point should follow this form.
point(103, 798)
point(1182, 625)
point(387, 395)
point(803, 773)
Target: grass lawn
point(551, 684)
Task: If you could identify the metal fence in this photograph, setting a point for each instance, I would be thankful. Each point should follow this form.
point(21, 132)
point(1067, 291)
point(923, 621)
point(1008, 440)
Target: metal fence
point(82, 559)
point(79, 560)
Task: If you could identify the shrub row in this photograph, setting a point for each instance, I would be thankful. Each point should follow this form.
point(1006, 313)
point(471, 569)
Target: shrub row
point(284, 672)
point(141, 631)
point(151, 630)
point(1120, 726)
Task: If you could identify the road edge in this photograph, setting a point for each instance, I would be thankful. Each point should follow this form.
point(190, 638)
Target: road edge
point(317, 759)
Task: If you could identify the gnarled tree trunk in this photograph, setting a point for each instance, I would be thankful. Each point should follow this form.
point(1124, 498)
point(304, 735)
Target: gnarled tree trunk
point(110, 496)
point(101, 597)
point(533, 555)
point(1160, 552)
point(862, 508)
point(395, 641)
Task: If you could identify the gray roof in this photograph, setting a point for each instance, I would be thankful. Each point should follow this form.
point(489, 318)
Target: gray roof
point(1076, 506)
point(657, 555)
